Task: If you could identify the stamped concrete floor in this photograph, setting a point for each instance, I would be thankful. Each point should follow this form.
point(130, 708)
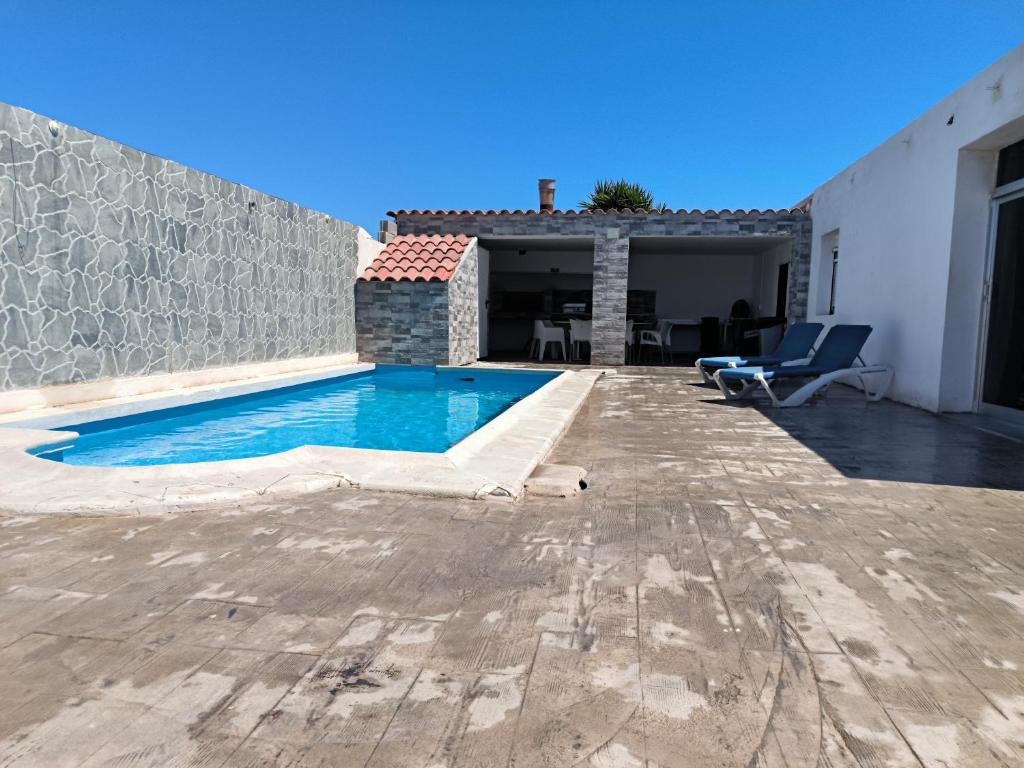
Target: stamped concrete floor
point(839, 585)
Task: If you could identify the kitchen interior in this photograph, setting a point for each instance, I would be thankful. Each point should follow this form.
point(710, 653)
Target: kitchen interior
point(693, 295)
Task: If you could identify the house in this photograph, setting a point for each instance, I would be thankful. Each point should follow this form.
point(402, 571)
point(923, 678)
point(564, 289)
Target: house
point(417, 302)
point(612, 266)
point(118, 264)
point(921, 238)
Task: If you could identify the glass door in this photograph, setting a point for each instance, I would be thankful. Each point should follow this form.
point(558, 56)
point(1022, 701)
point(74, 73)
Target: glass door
point(1003, 383)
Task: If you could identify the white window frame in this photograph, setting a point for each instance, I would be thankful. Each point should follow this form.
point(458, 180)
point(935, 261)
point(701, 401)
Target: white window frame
point(1004, 194)
point(832, 280)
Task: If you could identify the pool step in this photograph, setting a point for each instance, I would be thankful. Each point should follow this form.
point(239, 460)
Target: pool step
point(561, 480)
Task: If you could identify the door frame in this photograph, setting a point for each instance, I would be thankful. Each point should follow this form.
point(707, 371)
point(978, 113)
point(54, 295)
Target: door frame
point(778, 289)
point(1001, 195)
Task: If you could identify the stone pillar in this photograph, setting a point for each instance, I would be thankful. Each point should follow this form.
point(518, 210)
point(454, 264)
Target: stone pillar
point(611, 277)
point(800, 273)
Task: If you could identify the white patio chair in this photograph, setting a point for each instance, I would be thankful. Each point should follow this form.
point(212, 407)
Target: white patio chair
point(579, 332)
point(545, 332)
point(660, 337)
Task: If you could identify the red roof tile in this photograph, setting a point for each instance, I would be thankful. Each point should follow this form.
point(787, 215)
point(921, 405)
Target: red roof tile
point(418, 258)
point(571, 212)
point(805, 204)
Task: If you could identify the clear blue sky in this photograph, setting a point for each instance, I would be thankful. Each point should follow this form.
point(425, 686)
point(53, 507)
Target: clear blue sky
point(358, 108)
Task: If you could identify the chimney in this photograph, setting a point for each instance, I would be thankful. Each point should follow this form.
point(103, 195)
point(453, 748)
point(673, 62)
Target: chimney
point(546, 187)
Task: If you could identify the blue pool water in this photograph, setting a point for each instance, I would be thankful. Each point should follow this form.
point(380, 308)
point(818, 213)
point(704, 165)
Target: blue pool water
point(392, 407)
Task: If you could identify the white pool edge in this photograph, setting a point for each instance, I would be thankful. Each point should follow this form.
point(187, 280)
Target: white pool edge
point(492, 462)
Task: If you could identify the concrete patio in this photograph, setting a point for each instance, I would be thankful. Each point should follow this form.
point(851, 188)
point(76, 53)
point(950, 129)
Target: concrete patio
point(839, 585)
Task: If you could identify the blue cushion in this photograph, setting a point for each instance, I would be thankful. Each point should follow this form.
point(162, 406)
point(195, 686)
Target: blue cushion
point(840, 348)
point(721, 362)
point(795, 344)
point(725, 362)
point(776, 372)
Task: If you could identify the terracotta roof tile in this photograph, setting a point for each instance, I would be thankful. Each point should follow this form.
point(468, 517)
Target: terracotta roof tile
point(418, 258)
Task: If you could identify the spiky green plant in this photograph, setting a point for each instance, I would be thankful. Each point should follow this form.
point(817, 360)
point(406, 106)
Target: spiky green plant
point(616, 195)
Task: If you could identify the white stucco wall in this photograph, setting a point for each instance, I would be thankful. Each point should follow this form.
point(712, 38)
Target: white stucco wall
point(694, 285)
point(368, 249)
point(768, 276)
point(913, 218)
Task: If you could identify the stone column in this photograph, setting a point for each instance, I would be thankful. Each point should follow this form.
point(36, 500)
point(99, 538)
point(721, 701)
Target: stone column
point(611, 277)
point(800, 273)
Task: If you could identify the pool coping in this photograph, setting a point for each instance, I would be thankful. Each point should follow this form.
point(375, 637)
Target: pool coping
point(492, 462)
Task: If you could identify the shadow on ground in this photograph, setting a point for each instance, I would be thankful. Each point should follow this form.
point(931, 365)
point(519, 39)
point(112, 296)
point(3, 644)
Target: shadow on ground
point(894, 442)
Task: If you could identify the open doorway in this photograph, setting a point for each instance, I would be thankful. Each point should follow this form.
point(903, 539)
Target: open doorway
point(707, 295)
point(547, 280)
point(1003, 372)
point(782, 291)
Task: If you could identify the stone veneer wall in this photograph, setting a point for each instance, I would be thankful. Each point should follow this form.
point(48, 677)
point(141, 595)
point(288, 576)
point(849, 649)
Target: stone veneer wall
point(114, 262)
point(611, 232)
point(464, 310)
point(420, 323)
point(611, 280)
point(402, 323)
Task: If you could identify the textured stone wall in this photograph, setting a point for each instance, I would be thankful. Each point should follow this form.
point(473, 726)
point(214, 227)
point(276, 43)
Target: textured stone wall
point(403, 322)
point(118, 263)
point(464, 310)
point(611, 278)
point(419, 323)
point(800, 274)
point(611, 233)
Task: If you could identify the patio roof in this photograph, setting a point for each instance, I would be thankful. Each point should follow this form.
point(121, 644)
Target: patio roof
point(618, 211)
point(418, 258)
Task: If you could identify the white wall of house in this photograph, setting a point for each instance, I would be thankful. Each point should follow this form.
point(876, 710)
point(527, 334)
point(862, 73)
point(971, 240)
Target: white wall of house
point(368, 248)
point(768, 277)
point(911, 221)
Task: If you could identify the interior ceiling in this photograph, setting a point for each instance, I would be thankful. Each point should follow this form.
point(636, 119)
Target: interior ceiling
point(704, 245)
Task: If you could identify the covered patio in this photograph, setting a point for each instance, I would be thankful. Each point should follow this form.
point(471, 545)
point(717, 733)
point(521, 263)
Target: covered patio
point(704, 296)
point(701, 281)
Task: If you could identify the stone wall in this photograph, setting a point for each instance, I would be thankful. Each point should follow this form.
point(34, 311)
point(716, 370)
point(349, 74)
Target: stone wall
point(421, 323)
point(611, 233)
point(464, 310)
point(114, 262)
point(611, 279)
point(402, 322)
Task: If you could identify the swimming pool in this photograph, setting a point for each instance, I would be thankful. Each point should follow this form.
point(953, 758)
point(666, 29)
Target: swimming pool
point(401, 408)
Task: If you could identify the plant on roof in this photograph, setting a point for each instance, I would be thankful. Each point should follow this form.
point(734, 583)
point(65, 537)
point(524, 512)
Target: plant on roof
point(617, 195)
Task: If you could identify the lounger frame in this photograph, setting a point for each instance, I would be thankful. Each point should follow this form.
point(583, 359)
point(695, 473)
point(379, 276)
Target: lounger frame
point(709, 378)
point(816, 384)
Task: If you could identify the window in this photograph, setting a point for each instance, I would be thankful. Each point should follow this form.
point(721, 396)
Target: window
point(832, 288)
point(1011, 164)
point(826, 283)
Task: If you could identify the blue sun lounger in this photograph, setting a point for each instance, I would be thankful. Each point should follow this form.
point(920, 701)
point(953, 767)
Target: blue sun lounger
point(838, 355)
point(797, 344)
